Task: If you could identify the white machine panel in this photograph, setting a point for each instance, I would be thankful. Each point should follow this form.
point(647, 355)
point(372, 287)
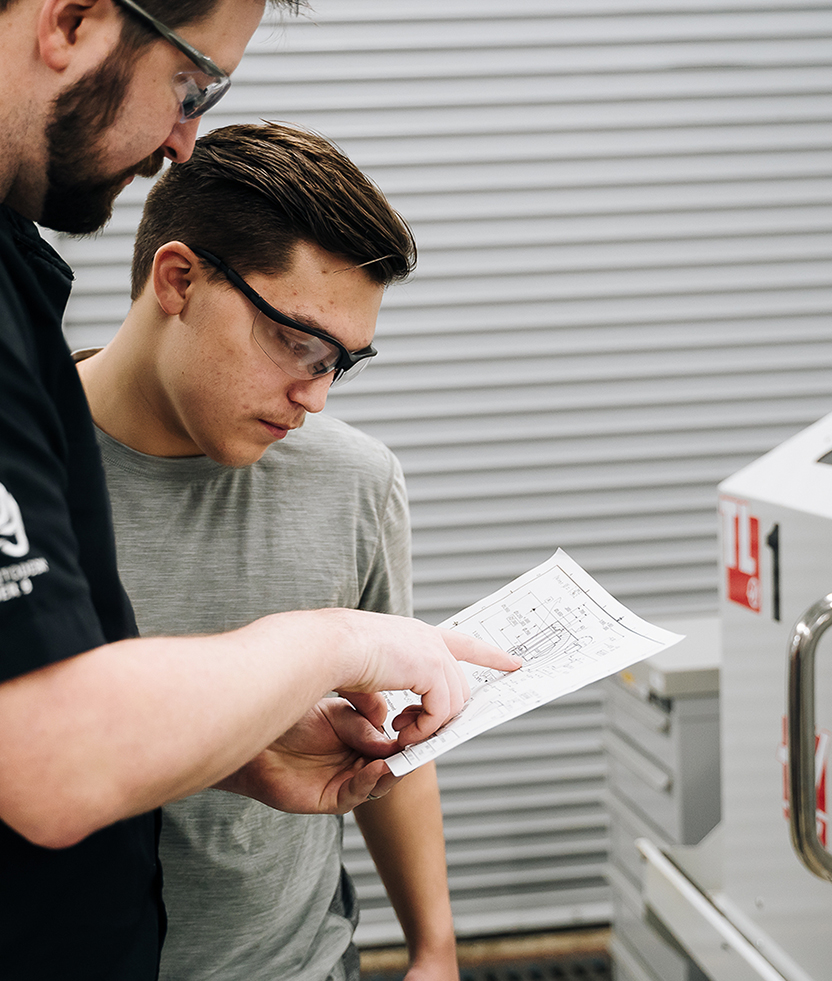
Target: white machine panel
point(776, 544)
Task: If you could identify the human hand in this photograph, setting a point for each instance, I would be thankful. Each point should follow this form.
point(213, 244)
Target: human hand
point(330, 761)
point(402, 653)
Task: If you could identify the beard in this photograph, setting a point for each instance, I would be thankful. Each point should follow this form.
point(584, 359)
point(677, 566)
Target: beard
point(78, 198)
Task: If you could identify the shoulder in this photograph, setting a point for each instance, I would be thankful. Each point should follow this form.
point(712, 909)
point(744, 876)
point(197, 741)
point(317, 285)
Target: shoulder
point(327, 460)
point(23, 248)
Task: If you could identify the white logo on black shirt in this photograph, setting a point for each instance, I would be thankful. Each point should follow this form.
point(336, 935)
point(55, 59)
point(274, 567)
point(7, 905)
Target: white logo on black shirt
point(13, 540)
point(16, 579)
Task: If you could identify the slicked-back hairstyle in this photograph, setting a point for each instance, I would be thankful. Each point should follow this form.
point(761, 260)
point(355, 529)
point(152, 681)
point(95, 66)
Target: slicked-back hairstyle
point(251, 192)
point(173, 14)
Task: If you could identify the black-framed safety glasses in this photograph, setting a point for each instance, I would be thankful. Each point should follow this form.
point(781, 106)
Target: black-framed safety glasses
point(197, 91)
point(301, 351)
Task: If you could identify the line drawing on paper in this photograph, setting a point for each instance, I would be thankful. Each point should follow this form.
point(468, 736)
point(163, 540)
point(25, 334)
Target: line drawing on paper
point(567, 630)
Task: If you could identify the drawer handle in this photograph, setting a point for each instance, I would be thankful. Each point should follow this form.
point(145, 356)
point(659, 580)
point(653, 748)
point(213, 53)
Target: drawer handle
point(650, 717)
point(651, 774)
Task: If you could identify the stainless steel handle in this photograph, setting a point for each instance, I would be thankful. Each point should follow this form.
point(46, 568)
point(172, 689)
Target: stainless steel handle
point(801, 738)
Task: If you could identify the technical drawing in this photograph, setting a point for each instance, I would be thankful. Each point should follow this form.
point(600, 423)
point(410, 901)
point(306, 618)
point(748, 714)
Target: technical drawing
point(536, 634)
point(567, 630)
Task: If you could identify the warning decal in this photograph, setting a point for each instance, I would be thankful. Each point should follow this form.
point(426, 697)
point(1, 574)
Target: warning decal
point(741, 553)
point(822, 738)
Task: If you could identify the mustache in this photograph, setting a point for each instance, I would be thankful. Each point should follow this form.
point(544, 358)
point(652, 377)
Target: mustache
point(150, 166)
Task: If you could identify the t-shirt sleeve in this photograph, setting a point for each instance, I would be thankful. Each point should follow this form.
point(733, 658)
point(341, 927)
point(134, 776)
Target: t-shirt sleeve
point(46, 610)
point(389, 586)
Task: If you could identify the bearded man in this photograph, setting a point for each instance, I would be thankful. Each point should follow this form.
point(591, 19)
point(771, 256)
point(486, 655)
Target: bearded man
point(98, 728)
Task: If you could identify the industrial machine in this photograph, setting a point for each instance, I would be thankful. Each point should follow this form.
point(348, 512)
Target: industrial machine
point(754, 899)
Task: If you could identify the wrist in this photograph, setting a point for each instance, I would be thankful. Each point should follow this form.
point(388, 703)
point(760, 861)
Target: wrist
point(345, 642)
point(324, 644)
point(434, 962)
point(439, 946)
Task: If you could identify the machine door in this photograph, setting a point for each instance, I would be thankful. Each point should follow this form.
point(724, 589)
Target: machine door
point(802, 739)
point(776, 749)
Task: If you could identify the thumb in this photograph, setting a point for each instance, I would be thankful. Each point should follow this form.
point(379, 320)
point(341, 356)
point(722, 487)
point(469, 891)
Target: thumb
point(370, 704)
point(357, 731)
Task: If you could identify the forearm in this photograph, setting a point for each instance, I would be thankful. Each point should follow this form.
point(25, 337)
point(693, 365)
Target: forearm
point(123, 728)
point(404, 836)
point(126, 727)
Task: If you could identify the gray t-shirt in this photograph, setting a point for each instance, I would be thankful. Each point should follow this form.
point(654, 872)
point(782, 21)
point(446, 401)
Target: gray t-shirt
point(320, 521)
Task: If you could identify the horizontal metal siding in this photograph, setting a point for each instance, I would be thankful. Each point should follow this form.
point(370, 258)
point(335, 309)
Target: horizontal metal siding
point(623, 211)
point(624, 284)
point(526, 828)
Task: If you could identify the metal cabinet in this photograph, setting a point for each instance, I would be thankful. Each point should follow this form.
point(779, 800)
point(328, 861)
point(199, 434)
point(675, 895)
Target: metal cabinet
point(661, 738)
point(753, 902)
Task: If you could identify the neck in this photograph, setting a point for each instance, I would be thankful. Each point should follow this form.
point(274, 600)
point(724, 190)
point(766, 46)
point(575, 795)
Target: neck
point(24, 109)
point(125, 396)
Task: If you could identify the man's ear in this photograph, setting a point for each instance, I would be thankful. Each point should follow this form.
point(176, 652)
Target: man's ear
point(175, 268)
point(77, 30)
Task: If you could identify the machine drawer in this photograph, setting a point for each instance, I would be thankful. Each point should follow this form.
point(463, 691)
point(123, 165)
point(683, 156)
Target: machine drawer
point(645, 724)
point(644, 785)
point(637, 932)
point(625, 826)
point(659, 954)
point(625, 964)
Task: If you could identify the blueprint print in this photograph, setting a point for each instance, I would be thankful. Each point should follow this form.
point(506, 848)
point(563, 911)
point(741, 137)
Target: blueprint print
point(568, 631)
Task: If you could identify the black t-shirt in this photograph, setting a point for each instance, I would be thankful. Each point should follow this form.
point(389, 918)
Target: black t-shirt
point(92, 911)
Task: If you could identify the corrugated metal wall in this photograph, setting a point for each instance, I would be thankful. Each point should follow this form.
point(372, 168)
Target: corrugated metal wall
point(623, 212)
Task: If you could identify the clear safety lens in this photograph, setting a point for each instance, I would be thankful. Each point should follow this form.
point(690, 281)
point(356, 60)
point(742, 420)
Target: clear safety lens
point(347, 374)
point(198, 92)
point(298, 354)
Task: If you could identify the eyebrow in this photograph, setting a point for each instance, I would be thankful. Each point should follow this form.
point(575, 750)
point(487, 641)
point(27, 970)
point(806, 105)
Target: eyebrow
point(197, 68)
point(237, 281)
point(307, 321)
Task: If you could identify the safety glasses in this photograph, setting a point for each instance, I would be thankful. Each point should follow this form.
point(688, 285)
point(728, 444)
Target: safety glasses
point(197, 91)
point(302, 352)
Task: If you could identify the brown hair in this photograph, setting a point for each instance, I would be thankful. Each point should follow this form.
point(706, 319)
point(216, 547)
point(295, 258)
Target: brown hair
point(172, 13)
point(251, 192)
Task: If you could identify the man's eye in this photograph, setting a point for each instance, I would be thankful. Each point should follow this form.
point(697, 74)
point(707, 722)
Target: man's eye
point(300, 349)
point(189, 92)
point(294, 343)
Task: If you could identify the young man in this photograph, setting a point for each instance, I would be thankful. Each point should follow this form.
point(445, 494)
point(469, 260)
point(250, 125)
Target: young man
point(232, 500)
point(97, 727)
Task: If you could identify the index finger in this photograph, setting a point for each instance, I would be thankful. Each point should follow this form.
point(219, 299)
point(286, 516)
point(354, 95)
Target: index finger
point(466, 648)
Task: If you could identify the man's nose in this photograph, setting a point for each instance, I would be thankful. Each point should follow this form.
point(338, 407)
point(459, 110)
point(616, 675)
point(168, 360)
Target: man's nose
point(311, 393)
point(179, 144)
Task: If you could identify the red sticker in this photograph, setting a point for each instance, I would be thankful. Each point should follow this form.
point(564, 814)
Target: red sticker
point(741, 553)
point(822, 737)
